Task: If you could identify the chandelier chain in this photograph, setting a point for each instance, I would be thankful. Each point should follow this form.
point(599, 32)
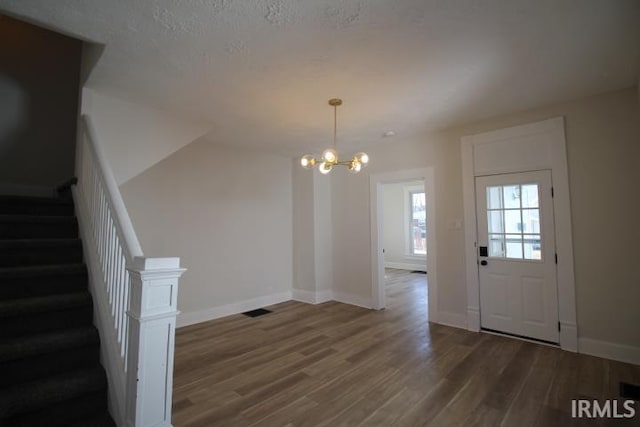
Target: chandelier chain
point(335, 126)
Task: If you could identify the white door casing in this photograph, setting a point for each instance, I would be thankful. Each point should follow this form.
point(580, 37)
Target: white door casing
point(529, 147)
point(517, 269)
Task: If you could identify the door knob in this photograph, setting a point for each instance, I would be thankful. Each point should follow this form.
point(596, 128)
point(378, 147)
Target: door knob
point(483, 262)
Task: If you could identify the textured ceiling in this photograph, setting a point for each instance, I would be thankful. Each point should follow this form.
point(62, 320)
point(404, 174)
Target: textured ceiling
point(260, 72)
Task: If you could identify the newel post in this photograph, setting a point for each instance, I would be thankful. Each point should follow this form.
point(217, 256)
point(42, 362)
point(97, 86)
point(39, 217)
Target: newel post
point(152, 314)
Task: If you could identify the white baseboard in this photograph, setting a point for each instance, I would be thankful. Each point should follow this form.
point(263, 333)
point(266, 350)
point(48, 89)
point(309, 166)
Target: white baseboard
point(311, 297)
point(473, 319)
point(568, 336)
point(609, 350)
point(324, 296)
point(7, 188)
point(352, 299)
point(405, 266)
point(448, 318)
point(191, 318)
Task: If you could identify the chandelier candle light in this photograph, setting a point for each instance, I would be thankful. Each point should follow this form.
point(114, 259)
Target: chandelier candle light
point(330, 156)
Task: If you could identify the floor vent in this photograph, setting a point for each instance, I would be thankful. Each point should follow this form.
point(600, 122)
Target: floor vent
point(630, 391)
point(257, 312)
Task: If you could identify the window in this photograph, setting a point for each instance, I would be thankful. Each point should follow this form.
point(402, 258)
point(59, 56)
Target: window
point(417, 221)
point(513, 219)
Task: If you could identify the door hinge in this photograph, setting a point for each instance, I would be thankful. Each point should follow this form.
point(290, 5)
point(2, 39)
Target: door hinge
point(556, 258)
point(558, 326)
point(551, 192)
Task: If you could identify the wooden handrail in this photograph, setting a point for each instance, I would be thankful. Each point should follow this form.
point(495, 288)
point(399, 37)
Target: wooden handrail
point(121, 216)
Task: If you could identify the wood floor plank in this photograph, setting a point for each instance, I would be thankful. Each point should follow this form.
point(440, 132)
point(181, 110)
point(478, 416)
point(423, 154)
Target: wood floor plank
point(431, 404)
point(392, 409)
point(284, 415)
point(334, 364)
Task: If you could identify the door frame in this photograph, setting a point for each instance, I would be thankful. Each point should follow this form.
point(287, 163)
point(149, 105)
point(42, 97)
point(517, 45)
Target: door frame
point(376, 181)
point(534, 146)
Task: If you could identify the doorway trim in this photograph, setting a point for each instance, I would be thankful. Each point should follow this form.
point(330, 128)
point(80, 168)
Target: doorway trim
point(377, 259)
point(535, 146)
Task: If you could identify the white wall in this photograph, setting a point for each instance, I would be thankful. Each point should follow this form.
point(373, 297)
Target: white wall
point(603, 144)
point(352, 246)
point(227, 214)
point(312, 235)
point(135, 137)
point(304, 272)
point(323, 232)
point(395, 208)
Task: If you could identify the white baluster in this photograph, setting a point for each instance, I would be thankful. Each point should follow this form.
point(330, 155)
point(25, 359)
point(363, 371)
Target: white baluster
point(135, 296)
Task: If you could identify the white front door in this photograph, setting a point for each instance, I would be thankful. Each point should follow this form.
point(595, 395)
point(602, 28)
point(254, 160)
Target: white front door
point(517, 255)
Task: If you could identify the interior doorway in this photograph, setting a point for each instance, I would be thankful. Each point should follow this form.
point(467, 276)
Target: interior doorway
point(416, 250)
point(404, 236)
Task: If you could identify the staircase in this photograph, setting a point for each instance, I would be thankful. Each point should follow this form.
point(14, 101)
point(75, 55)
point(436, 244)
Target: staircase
point(50, 372)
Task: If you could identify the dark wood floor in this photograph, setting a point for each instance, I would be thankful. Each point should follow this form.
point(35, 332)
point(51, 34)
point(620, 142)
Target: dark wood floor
point(338, 365)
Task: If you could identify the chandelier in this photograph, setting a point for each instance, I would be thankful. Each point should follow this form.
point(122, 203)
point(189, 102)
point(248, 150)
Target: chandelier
point(329, 157)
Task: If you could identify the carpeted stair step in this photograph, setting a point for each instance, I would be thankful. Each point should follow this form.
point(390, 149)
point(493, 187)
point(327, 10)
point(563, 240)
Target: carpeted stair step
point(78, 412)
point(100, 420)
point(43, 304)
point(21, 282)
point(68, 396)
point(23, 252)
point(12, 205)
point(50, 373)
point(37, 227)
point(24, 359)
point(47, 313)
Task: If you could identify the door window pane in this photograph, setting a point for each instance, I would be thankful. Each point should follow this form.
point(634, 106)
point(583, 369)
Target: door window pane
point(494, 197)
point(531, 221)
point(495, 222)
point(496, 245)
point(532, 247)
point(513, 222)
point(511, 196)
point(530, 196)
point(514, 245)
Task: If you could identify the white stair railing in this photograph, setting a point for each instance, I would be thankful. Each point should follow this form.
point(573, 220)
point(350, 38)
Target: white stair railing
point(134, 297)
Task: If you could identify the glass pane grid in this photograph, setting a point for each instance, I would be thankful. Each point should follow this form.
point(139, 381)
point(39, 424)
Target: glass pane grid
point(513, 222)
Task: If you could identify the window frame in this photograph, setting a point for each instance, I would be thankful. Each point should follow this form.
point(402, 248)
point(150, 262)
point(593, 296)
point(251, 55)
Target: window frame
point(409, 218)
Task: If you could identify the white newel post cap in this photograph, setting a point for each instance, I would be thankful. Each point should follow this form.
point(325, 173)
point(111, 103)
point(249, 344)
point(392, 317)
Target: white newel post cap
point(154, 287)
point(144, 263)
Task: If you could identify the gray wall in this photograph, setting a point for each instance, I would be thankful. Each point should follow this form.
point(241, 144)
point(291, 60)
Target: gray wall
point(39, 79)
